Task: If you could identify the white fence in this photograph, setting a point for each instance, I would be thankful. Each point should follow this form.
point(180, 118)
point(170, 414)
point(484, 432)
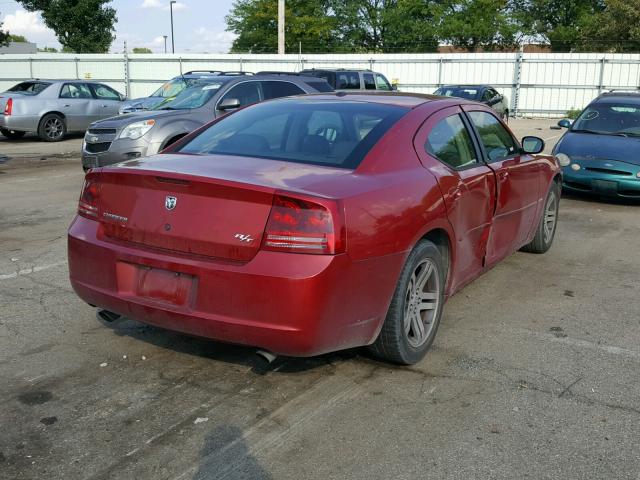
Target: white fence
point(536, 84)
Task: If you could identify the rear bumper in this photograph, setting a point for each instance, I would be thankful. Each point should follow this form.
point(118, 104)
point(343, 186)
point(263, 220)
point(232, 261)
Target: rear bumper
point(604, 184)
point(291, 304)
point(22, 123)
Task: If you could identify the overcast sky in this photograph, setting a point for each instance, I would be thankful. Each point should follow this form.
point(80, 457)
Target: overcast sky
point(198, 24)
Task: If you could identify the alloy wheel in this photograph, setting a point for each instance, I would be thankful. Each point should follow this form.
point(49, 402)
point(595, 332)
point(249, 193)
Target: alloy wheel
point(53, 128)
point(421, 303)
point(550, 218)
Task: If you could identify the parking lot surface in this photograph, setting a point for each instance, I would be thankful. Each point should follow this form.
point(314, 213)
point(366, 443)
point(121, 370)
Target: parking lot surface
point(533, 374)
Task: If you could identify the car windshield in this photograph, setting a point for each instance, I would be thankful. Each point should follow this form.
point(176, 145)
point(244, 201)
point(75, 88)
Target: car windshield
point(29, 88)
point(173, 87)
point(461, 92)
point(337, 134)
point(193, 97)
point(609, 119)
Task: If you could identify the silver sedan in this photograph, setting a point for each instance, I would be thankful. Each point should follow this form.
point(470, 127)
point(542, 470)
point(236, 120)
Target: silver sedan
point(53, 108)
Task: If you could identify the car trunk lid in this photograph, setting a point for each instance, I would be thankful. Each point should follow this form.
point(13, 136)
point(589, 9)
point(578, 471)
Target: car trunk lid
point(195, 205)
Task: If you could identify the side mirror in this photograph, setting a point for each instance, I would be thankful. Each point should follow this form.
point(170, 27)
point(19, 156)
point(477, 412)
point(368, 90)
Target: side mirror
point(394, 87)
point(229, 104)
point(565, 123)
point(122, 97)
point(532, 145)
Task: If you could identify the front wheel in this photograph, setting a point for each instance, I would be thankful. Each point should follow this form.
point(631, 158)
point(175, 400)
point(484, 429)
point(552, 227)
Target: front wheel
point(546, 230)
point(416, 307)
point(12, 134)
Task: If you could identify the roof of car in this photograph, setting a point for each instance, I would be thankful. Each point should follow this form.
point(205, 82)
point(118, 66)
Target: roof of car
point(627, 96)
point(337, 70)
point(402, 99)
point(466, 86)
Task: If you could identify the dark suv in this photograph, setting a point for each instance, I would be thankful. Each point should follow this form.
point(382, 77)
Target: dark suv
point(343, 79)
point(144, 133)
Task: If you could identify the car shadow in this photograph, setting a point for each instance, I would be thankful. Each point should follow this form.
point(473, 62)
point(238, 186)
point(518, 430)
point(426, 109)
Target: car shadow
point(593, 198)
point(224, 352)
point(225, 454)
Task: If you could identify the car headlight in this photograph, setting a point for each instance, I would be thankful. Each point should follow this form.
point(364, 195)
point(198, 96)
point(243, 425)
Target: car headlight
point(563, 159)
point(137, 130)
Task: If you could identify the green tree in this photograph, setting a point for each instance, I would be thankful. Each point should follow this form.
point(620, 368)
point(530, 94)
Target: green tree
point(256, 24)
point(48, 50)
point(17, 38)
point(82, 26)
point(561, 23)
point(410, 26)
point(614, 29)
point(481, 24)
point(141, 50)
point(386, 25)
point(4, 36)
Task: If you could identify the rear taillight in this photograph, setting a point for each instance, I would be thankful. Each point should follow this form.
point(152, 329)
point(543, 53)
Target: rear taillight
point(8, 107)
point(88, 203)
point(304, 226)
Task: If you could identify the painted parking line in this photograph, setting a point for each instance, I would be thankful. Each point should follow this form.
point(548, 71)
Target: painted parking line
point(28, 271)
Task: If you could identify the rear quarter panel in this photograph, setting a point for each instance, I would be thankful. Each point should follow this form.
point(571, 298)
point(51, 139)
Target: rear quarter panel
point(391, 201)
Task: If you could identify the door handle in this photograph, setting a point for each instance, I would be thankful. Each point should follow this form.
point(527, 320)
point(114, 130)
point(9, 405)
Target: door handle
point(104, 106)
point(66, 105)
point(503, 176)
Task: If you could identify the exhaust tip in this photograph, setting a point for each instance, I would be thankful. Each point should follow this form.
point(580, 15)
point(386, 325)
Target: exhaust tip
point(107, 316)
point(268, 356)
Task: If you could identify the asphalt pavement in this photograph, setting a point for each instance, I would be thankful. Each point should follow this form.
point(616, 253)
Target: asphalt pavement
point(533, 374)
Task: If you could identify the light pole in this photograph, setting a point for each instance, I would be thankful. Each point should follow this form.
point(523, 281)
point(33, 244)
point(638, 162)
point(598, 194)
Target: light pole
point(165, 43)
point(173, 47)
point(280, 27)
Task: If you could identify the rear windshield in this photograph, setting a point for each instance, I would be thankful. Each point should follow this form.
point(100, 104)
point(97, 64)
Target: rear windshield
point(29, 88)
point(608, 118)
point(461, 92)
point(331, 133)
point(320, 86)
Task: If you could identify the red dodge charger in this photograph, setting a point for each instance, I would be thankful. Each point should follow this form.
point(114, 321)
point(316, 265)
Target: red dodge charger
point(316, 223)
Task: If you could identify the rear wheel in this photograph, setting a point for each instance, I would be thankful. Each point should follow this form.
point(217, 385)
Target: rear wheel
point(414, 314)
point(52, 128)
point(12, 134)
point(546, 230)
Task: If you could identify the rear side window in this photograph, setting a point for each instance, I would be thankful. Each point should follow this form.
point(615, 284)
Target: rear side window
point(449, 141)
point(497, 141)
point(275, 89)
point(347, 81)
point(337, 134)
point(75, 90)
point(369, 82)
point(29, 88)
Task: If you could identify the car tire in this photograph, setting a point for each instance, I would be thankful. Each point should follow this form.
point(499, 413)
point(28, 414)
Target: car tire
point(416, 307)
point(52, 128)
point(12, 134)
point(546, 230)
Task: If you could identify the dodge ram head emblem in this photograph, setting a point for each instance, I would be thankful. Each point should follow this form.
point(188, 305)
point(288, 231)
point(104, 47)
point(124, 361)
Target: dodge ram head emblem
point(170, 202)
